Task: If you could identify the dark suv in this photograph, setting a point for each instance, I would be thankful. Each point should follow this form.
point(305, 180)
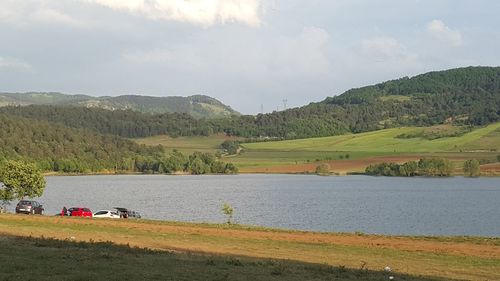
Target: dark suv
point(29, 207)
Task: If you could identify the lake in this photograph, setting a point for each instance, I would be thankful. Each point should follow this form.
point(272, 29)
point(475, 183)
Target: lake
point(383, 205)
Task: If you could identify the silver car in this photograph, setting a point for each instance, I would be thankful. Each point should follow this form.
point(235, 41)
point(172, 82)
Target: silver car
point(29, 207)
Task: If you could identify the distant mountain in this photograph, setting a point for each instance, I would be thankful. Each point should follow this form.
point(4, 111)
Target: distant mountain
point(198, 106)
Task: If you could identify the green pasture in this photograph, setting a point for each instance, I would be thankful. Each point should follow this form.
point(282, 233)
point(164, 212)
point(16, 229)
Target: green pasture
point(186, 144)
point(386, 141)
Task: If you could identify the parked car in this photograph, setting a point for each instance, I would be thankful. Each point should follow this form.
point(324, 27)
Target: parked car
point(106, 214)
point(126, 213)
point(29, 207)
point(80, 212)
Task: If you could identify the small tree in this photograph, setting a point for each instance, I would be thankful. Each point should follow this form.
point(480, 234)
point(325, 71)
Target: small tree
point(20, 179)
point(323, 169)
point(228, 211)
point(472, 168)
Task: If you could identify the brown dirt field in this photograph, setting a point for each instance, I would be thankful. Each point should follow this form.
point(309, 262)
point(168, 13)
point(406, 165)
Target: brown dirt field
point(493, 167)
point(337, 166)
point(487, 249)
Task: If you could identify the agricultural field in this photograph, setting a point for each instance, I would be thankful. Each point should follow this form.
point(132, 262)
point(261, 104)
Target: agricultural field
point(484, 139)
point(84, 249)
point(187, 144)
point(353, 152)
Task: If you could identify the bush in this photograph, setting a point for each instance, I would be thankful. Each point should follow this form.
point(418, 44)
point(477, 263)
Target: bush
point(230, 146)
point(323, 169)
point(472, 168)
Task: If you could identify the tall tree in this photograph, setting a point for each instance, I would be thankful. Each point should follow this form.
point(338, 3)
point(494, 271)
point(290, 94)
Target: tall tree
point(19, 180)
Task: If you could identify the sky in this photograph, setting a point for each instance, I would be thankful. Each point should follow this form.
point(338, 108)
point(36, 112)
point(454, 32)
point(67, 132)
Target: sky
point(252, 55)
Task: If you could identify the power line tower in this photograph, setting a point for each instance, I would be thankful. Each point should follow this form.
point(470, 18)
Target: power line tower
point(262, 108)
point(284, 103)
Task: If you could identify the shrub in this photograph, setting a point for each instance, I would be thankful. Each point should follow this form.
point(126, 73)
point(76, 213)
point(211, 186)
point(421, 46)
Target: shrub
point(472, 168)
point(323, 169)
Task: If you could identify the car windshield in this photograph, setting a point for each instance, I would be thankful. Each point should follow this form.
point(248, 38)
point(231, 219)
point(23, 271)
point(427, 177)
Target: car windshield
point(101, 213)
point(24, 202)
point(86, 210)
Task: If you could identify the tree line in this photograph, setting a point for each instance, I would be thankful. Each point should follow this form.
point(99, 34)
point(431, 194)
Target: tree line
point(432, 167)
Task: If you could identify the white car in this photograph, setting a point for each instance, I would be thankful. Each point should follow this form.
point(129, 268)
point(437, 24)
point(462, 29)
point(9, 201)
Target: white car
point(106, 214)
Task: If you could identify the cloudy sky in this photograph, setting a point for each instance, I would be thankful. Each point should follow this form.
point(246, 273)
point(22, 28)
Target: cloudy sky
point(243, 52)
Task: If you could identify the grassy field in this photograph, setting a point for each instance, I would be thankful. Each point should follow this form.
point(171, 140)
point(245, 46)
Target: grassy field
point(483, 139)
point(84, 249)
point(187, 144)
point(351, 153)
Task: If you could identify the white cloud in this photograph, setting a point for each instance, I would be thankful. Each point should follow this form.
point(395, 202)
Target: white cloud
point(32, 11)
point(13, 63)
point(384, 49)
point(201, 12)
point(303, 55)
point(51, 16)
point(441, 32)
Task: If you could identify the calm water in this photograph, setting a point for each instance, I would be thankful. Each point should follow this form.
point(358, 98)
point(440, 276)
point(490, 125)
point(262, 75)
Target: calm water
point(432, 206)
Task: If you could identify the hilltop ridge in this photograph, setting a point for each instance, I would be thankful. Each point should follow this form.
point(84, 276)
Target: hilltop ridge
point(198, 106)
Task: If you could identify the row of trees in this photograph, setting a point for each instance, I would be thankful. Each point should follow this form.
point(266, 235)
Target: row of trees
point(197, 163)
point(434, 167)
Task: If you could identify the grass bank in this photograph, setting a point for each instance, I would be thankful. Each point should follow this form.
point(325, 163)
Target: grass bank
point(184, 251)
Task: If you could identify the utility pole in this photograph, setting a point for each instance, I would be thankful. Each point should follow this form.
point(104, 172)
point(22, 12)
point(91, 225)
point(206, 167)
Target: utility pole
point(262, 108)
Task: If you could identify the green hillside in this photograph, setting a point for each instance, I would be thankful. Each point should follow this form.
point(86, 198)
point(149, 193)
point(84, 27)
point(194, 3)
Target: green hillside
point(485, 139)
point(198, 106)
point(463, 96)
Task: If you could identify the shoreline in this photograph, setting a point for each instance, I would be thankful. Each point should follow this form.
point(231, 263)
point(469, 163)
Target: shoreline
point(56, 174)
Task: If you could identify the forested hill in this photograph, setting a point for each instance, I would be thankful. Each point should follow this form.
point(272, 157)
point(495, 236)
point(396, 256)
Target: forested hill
point(198, 106)
point(467, 96)
point(464, 95)
point(57, 148)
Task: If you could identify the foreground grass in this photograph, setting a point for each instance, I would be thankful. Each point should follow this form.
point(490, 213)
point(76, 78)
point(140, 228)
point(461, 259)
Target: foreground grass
point(236, 253)
point(51, 259)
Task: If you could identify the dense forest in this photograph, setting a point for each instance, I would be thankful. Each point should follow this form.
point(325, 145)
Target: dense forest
point(466, 96)
point(54, 147)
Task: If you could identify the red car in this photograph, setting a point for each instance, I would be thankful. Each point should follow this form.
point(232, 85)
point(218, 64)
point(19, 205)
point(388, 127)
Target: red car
point(80, 212)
